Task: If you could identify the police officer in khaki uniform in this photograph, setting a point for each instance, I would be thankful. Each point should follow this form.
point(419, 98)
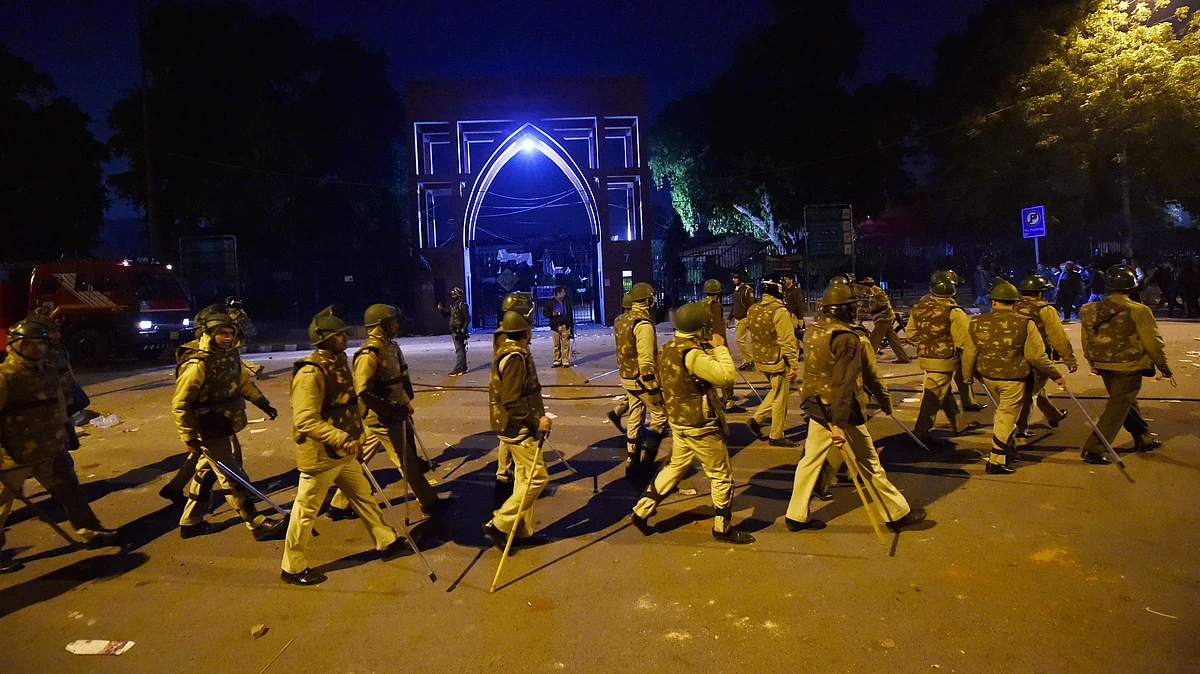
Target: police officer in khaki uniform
point(776, 355)
point(522, 303)
point(1008, 350)
point(328, 430)
point(839, 370)
point(940, 329)
point(212, 386)
point(1122, 344)
point(878, 307)
point(519, 418)
point(743, 299)
point(637, 360)
point(34, 438)
point(692, 371)
point(712, 300)
point(622, 408)
point(74, 398)
point(385, 391)
point(1033, 306)
point(970, 402)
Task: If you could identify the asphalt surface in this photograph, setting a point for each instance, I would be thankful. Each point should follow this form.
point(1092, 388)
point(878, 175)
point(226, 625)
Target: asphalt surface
point(1062, 567)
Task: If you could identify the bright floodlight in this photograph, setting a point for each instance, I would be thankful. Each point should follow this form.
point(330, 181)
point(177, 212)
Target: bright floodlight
point(527, 144)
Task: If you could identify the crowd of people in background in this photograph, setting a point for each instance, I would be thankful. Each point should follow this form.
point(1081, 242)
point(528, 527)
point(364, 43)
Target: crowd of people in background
point(1171, 285)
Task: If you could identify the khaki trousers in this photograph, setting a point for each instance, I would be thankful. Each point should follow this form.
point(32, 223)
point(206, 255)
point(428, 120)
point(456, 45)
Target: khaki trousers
point(394, 440)
point(936, 395)
point(775, 403)
point(890, 504)
point(1121, 410)
point(561, 338)
point(965, 392)
point(528, 467)
point(643, 411)
point(60, 481)
point(310, 494)
point(1036, 391)
point(1008, 395)
point(228, 452)
point(887, 330)
point(741, 330)
point(707, 446)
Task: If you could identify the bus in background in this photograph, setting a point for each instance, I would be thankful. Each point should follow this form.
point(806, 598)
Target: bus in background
point(107, 308)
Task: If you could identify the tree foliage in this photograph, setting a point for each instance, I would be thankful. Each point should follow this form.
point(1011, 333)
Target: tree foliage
point(263, 131)
point(777, 130)
point(1044, 102)
point(52, 195)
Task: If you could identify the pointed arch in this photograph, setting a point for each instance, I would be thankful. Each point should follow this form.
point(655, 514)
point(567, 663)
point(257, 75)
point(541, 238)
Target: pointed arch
point(528, 136)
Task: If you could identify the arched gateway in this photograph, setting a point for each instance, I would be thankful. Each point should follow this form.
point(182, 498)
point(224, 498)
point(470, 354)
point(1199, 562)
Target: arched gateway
point(466, 132)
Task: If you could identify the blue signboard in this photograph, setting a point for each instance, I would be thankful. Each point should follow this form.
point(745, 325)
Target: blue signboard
point(1033, 222)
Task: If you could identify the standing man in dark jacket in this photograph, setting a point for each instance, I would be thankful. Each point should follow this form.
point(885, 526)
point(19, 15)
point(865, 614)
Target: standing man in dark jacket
point(1070, 287)
point(562, 323)
point(743, 298)
point(460, 323)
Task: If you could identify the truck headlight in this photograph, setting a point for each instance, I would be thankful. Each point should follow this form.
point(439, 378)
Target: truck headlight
point(187, 322)
point(145, 325)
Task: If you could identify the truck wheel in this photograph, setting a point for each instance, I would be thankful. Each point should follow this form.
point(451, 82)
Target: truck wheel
point(88, 347)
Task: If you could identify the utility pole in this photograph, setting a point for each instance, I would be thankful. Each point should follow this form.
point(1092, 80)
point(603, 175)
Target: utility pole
point(153, 216)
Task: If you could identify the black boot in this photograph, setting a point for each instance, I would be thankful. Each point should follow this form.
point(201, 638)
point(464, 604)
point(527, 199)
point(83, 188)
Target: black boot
point(643, 525)
point(650, 444)
point(304, 578)
point(915, 515)
point(616, 421)
point(1096, 458)
point(633, 466)
point(101, 538)
point(175, 496)
point(339, 514)
point(734, 536)
point(270, 530)
point(194, 530)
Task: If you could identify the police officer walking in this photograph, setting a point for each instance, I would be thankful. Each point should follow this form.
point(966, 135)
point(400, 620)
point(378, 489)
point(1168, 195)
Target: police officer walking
point(940, 329)
point(743, 299)
point(1008, 351)
point(777, 356)
point(879, 308)
point(383, 386)
point(1122, 344)
point(622, 408)
point(212, 386)
point(712, 299)
point(839, 370)
point(328, 430)
point(637, 360)
point(1034, 306)
point(34, 437)
point(692, 371)
point(518, 417)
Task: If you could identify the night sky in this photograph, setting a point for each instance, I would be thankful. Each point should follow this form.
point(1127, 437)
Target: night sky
point(90, 48)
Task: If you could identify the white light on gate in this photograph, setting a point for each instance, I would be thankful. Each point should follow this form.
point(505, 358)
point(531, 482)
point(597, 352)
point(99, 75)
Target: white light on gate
point(527, 144)
point(145, 325)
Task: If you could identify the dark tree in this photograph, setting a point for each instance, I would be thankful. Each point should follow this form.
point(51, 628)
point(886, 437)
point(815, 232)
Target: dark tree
point(264, 131)
point(52, 195)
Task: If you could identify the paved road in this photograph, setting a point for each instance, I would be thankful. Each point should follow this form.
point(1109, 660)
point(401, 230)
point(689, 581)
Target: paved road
point(1062, 567)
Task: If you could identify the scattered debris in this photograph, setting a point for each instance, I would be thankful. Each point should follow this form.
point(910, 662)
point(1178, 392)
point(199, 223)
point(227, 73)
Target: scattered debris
point(688, 492)
point(98, 646)
point(257, 421)
point(1150, 610)
point(130, 430)
point(887, 643)
point(105, 421)
point(911, 400)
point(259, 630)
point(258, 430)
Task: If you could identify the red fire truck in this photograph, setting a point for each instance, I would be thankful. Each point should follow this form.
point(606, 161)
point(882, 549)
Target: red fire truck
point(107, 308)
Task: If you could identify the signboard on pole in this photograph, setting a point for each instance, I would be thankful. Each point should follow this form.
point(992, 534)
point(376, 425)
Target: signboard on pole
point(1033, 222)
